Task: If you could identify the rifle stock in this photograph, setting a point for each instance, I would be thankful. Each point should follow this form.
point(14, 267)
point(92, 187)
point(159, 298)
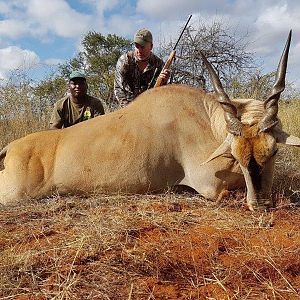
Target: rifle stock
point(166, 66)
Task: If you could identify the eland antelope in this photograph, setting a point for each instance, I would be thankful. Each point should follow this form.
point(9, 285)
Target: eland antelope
point(168, 136)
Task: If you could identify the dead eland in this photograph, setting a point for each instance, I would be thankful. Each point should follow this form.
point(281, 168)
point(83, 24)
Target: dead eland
point(169, 136)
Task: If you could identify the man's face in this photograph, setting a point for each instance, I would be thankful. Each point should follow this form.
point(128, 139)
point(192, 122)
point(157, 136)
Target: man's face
point(143, 52)
point(78, 87)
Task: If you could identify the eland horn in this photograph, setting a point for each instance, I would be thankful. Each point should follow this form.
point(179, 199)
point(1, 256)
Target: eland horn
point(271, 103)
point(234, 125)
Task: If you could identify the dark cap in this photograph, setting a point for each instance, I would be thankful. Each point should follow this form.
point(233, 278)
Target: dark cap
point(142, 36)
point(77, 74)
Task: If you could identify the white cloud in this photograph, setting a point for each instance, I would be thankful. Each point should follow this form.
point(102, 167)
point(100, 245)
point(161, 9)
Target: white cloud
point(54, 61)
point(167, 9)
point(294, 64)
point(12, 58)
point(121, 25)
point(4, 7)
point(270, 30)
point(278, 19)
point(104, 5)
point(13, 28)
point(41, 18)
point(58, 17)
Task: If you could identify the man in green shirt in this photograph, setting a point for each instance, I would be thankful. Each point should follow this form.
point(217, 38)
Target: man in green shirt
point(76, 107)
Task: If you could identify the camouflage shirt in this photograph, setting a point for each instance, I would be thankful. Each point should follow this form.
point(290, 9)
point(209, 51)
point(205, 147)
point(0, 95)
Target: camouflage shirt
point(67, 113)
point(130, 81)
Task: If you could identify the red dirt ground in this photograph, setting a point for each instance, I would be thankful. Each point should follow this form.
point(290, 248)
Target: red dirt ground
point(155, 247)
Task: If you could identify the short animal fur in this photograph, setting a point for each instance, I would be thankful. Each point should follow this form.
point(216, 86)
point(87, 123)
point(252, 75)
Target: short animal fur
point(169, 136)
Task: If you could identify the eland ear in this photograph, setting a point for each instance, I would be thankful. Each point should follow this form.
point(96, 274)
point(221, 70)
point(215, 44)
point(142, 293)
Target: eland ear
point(225, 147)
point(285, 138)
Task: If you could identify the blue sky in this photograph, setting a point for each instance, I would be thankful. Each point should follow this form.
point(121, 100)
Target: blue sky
point(38, 34)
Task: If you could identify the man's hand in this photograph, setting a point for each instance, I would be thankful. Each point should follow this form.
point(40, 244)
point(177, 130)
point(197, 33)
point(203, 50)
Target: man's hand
point(56, 125)
point(123, 102)
point(164, 76)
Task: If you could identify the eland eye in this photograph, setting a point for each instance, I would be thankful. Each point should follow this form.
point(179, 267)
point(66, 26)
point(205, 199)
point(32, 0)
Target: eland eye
point(274, 153)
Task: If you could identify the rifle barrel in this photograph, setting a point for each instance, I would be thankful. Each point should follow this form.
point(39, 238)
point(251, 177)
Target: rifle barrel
point(187, 22)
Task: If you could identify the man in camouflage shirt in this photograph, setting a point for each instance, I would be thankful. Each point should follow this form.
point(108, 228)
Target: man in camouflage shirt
point(138, 70)
point(76, 107)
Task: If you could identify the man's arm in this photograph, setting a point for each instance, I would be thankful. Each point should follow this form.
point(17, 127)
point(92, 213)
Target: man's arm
point(56, 121)
point(121, 89)
point(98, 109)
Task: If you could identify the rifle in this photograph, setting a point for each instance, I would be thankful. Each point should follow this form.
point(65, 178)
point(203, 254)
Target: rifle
point(172, 55)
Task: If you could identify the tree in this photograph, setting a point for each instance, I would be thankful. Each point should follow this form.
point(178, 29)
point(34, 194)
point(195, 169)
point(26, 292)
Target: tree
point(47, 92)
point(222, 48)
point(98, 59)
point(18, 111)
point(254, 85)
point(258, 86)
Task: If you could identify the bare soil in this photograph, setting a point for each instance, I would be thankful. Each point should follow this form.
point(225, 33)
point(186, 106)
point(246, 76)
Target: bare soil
point(171, 246)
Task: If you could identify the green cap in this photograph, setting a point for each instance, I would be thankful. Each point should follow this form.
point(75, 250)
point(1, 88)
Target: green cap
point(142, 36)
point(77, 74)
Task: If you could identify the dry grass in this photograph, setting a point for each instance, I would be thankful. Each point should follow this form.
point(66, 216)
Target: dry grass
point(289, 114)
point(23, 125)
point(154, 246)
point(287, 179)
point(20, 111)
point(148, 247)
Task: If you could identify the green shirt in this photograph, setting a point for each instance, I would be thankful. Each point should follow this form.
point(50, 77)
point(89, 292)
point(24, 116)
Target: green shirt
point(67, 113)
